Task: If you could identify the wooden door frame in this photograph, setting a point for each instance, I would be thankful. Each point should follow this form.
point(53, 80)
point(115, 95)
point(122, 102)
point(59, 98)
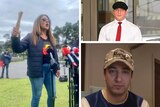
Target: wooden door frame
point(89, 17)
point(158, 62)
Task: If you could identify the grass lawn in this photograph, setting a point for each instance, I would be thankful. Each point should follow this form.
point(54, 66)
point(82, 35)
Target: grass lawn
point(17, 93)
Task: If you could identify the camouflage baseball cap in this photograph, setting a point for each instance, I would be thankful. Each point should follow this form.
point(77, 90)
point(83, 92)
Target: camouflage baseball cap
point(121, 55)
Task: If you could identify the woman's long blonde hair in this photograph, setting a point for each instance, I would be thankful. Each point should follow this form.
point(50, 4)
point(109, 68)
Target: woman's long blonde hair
point(36, 32)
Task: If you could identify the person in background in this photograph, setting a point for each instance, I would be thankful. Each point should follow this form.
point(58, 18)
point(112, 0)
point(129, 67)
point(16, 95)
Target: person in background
point(38, 70)
point(6, 58)
point(118, 73)
point(120, 29)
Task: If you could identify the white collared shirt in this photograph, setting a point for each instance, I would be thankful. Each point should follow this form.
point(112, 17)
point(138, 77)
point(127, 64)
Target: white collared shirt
point(130, 32)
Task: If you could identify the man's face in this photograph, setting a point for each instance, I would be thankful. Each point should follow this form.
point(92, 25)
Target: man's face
point(119, 14)
point(118, 78)
point(6, 52)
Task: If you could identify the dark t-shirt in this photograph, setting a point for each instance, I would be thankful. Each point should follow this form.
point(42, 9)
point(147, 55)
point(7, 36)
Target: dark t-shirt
point(46, 52)
point(97, 100)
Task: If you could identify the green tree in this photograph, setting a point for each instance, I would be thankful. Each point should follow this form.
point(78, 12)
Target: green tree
point(68, 33)
point(6, 36)
point(57, 30)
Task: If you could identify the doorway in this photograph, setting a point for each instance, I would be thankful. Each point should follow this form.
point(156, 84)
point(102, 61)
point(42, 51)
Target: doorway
point(157, 82)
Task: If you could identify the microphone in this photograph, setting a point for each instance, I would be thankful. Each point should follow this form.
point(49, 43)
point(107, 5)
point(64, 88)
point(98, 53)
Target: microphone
point(75, 54)
point(66, 52)
point(76, 51)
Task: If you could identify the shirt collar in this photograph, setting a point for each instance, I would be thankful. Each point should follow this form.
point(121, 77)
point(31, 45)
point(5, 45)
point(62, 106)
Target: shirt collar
point(116, 21)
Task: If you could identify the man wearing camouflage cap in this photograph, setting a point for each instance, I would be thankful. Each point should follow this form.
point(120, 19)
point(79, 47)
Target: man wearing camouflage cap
point(118, 72)
point(120, 29)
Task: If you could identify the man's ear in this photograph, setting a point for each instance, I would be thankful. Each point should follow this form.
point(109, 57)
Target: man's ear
point(131, 74)
point(126, 12)
point(113, 12)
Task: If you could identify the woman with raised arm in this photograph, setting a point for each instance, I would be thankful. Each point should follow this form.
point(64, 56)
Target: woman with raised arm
point(39, 43)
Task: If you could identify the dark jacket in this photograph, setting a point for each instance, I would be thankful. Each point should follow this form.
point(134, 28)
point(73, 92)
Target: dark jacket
point(97, 100)
point(6, 58)
point(35, 57)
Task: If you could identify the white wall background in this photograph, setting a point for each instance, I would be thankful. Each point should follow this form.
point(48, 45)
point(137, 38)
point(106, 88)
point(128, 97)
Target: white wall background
point(143, 76)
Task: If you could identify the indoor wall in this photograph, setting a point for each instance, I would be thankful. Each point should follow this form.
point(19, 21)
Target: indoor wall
point(143, 77)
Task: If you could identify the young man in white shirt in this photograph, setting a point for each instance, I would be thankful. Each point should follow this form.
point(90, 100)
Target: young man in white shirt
point(128, 32)
point(118, 72)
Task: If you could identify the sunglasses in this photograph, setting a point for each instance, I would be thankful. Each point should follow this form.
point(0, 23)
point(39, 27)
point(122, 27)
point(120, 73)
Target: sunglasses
point(43, 19)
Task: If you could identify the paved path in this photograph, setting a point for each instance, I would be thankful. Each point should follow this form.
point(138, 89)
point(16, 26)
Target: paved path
point(19, 69)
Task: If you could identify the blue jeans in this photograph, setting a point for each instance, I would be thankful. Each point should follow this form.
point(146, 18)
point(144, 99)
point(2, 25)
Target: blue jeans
point(37, 84)
point(3, 68)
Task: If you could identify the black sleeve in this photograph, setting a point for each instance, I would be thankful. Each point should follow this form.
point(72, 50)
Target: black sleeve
point(55, 55)
point(18, 45)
